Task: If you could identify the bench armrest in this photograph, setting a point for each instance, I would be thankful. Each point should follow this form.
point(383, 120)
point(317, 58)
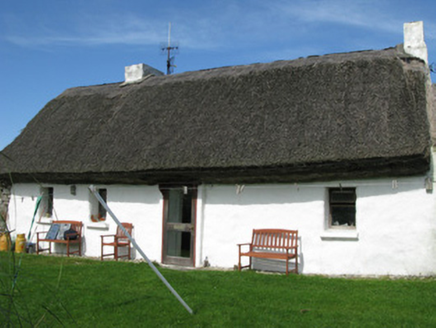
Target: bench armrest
point(103, 237)
point(108, 238)
point(292, 248)
point(244, 244)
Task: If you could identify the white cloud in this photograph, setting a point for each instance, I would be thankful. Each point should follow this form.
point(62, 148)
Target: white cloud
point(227, 25)
point(126, 29)
point(381, 15)
point(365, 14)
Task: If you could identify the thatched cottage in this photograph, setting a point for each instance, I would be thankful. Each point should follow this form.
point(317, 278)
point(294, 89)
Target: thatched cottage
point(337, 147)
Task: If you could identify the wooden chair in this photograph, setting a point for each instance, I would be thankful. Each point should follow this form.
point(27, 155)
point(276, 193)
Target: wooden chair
point(117, 240)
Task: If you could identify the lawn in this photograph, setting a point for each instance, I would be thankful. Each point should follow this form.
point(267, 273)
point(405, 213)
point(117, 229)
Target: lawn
point(75, 292)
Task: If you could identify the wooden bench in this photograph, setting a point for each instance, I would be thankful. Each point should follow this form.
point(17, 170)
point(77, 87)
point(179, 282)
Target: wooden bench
point(43, 237)
point(276, 244)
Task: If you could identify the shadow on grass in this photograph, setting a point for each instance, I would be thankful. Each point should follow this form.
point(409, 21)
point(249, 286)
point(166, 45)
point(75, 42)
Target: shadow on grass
point(137, 300)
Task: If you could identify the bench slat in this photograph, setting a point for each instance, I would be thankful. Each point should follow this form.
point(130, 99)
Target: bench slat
point(272, 255)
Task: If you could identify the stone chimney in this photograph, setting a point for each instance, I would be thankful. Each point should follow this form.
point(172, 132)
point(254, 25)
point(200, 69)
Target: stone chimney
point(414, 40)
point(136, 73)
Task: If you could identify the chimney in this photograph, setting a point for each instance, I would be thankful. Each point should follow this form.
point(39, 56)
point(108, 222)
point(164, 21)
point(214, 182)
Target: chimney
point(138, 72)
point(414, 40)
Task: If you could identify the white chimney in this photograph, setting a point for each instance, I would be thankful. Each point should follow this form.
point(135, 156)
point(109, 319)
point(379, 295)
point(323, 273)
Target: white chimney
point(137, 72)
point(414, 40)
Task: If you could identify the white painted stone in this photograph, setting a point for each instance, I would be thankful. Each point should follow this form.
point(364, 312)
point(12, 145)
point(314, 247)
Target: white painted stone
point(395, 232)
point(414, 43)
point(137, 72)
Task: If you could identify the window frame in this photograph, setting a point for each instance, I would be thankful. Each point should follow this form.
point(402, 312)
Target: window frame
point(101, 211)
point(97, 212)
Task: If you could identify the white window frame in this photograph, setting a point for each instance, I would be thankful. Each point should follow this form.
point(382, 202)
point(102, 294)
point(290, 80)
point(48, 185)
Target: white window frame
point(339, 233)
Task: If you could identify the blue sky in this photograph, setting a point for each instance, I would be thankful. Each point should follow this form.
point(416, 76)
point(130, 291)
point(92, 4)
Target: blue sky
point(47, 46)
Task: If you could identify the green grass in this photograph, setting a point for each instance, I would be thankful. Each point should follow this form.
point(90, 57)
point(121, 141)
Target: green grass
point(75, 292)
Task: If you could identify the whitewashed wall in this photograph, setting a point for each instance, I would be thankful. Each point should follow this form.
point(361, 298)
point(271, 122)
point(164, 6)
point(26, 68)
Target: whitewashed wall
point(395, 226)
point(395, 233)
point(140, 205)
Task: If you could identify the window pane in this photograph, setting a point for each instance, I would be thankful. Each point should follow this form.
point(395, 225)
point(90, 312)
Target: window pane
point(50, 202)
point(179, 243)
point(343, 215)
point(101, 209)
point(342, 196)
point(187, 208)
point(175, 206)
point(180, 206)
point(46, 207)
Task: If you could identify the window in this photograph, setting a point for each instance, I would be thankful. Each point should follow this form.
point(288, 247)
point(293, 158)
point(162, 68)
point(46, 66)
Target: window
point(98, 212)
point(46, 206)
point(101, 209)
point(342, 208)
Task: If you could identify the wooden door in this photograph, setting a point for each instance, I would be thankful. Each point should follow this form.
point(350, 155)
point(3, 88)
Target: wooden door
point(179, 225)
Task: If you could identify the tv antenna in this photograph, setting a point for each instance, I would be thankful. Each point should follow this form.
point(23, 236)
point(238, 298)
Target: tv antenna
point(171, 51)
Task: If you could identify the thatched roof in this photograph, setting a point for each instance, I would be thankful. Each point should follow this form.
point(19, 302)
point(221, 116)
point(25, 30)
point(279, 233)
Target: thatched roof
point(360, 114)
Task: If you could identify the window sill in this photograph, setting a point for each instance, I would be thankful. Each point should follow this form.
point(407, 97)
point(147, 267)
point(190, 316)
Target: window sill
point(340, 234)
point(98, 225)
point(45, 220)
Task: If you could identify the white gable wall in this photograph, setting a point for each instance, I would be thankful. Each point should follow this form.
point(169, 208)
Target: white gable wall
point(395, 233)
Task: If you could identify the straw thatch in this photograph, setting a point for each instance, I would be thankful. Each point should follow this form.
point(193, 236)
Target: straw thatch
point(351, 115)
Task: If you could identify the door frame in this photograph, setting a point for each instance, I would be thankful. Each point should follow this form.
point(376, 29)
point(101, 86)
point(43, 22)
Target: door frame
point(175, 260)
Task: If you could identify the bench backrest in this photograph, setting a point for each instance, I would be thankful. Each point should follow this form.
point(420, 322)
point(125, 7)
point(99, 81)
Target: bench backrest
point(75, 225)
point(274, 238)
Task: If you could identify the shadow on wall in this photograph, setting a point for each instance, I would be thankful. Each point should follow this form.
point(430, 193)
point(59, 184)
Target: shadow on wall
point(262, 194)
point(305, 193)
point(124, 194)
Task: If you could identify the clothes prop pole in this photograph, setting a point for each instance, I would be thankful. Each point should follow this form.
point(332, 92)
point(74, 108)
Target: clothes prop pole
point(38, 202)
point(172, 290)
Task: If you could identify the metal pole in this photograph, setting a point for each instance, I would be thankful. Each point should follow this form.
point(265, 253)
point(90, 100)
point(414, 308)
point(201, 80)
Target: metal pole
point(103, 203)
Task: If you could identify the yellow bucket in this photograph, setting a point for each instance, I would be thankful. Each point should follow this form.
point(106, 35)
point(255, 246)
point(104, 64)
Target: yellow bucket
point(20, 243)
point(5, 242)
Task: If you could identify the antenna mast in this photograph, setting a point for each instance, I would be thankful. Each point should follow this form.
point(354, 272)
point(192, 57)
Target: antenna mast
point(170, 49)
